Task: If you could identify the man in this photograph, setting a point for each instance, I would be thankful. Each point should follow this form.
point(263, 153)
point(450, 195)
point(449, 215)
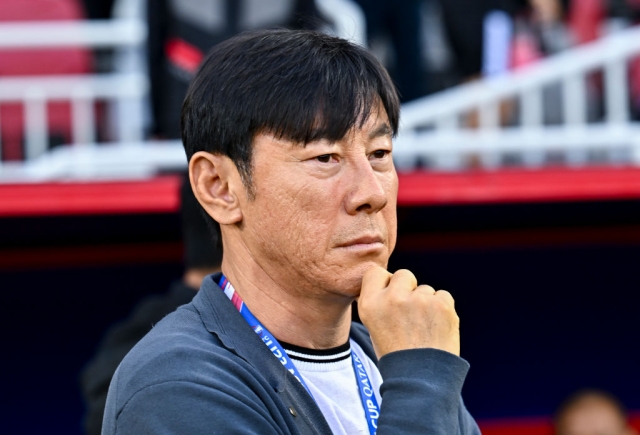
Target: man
point(288, 136)
point(592, 412)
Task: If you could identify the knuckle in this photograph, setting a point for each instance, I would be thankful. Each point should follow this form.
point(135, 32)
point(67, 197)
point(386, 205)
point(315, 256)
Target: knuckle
point(425, 293)
point(446, 295)
point(426, 289)
point(405, 275)
point(396, 299)
point(444, 306)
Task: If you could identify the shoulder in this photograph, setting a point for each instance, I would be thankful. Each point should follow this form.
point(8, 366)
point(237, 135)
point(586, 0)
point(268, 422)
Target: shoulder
point(181, 378)
point(177, 352)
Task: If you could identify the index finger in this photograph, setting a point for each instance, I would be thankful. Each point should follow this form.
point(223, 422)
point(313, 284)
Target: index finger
point(376, 277)
point(404, 280)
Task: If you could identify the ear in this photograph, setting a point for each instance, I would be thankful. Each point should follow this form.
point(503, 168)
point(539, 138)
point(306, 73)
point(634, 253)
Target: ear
point(216, 184)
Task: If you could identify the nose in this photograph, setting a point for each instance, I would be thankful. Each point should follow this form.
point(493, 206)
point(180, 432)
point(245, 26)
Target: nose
point(369, 191)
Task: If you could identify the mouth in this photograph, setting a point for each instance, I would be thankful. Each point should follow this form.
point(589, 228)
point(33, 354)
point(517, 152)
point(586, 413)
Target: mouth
point(364, 243)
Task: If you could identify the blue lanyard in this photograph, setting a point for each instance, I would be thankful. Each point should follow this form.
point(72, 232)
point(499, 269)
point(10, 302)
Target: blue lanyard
point(369, 401)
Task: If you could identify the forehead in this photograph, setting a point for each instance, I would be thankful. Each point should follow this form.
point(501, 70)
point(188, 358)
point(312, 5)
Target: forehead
point(312, 124)
point(371, 125)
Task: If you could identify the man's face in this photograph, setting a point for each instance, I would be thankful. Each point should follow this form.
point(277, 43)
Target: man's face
point(323, 213)
point(593, 417)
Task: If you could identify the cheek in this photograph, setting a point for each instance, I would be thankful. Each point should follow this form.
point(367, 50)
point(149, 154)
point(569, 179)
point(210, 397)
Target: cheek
point(313, 214)
point(390, 211)
point(392, 226)
point(300, 216)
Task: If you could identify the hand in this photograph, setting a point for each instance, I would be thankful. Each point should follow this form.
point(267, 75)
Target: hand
point(401, 315)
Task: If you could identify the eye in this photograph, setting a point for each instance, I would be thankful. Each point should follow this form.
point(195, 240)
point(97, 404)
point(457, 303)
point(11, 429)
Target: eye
point(325, 158)
point(380, 154)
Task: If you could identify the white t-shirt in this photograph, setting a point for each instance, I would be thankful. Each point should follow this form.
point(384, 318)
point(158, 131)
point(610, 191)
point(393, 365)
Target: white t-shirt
point(330, 376)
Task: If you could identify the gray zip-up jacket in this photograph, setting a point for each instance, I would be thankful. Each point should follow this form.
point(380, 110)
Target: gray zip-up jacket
point(202, 370)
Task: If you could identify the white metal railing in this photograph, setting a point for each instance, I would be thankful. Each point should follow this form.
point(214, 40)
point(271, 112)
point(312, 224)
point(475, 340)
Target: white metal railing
point(81, 90)
point(50, 34)
point(433, 129)
point(128, 156)
point(109, 161)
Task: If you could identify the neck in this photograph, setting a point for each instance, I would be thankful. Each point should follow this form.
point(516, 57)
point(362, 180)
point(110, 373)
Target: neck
point(293, 312)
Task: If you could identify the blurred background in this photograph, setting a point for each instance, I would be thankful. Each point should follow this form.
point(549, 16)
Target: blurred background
point(519, 184)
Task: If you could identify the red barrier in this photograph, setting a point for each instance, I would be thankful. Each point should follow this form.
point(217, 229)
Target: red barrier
point(510, 186)
point(531, 426)
point(160, 195)
point(521, 426)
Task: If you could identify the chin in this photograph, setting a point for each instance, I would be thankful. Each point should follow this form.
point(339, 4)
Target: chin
point(351, 278)
point(352, 286)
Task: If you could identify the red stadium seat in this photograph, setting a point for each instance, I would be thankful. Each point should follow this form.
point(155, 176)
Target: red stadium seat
point(30, 62)
point(585, 18)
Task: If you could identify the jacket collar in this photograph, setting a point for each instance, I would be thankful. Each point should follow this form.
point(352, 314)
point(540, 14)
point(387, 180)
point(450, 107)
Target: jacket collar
point(223, 320)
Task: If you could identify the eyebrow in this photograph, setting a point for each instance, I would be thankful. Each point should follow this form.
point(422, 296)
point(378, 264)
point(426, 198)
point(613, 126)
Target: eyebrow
point(381, 130)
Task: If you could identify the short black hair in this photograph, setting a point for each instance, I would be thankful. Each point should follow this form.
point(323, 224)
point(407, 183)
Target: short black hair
point(299, 85)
